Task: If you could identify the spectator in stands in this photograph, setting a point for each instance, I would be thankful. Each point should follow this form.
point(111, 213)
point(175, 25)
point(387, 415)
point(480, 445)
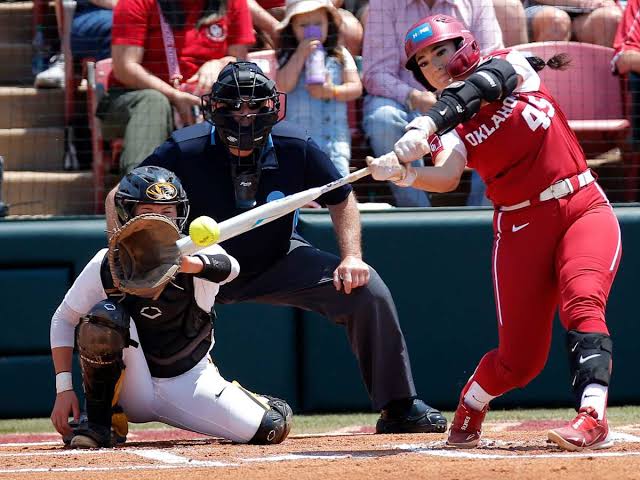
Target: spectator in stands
point(90, 37)
point(627, 41)
point(91, 29)
point(512, 20)
point(589, 21)
point(310, 27)
point(626, 60)
point(149, 79)
point(395, 97)
point(267, 14)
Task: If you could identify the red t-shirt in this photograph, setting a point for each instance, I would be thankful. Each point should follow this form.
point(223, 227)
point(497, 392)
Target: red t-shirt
point(628, 33)
point(137, 23)
point(521, 145)
point(267, 4)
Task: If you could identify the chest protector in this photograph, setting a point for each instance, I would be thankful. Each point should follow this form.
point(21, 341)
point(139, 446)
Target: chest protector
point(174, 332)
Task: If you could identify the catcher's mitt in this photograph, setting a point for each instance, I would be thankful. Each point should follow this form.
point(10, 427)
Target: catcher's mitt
point(143, 256)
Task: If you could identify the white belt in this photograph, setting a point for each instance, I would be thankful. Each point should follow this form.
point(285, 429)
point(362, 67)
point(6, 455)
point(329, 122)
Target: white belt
point(559, 189)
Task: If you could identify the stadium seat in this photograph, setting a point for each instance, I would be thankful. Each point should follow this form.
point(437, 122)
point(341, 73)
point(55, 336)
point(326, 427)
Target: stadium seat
point(596, 105)
point(104, 159)
point(66, 10)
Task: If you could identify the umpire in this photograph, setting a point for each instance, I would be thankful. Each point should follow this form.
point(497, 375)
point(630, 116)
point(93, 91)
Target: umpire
point(238, 160)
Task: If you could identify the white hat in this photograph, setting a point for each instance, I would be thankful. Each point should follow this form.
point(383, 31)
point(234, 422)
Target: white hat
point(296, 7)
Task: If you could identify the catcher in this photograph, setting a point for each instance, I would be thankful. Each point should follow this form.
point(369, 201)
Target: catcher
point(143, 317)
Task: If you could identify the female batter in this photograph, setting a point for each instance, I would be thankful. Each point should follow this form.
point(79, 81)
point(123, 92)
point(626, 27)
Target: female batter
point(556, 238)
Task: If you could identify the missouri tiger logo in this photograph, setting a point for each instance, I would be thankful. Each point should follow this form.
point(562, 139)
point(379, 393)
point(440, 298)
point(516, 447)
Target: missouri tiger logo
point(162, 191)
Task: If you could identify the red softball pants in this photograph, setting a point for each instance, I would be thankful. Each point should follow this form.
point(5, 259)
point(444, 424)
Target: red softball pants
point(562, 253)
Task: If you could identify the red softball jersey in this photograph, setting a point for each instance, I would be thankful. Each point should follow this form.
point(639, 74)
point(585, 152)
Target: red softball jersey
point(521, 145)
point(137, 23)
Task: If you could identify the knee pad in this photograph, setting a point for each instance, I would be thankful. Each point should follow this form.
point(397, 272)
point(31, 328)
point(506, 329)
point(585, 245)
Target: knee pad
point(589, 360)
point(275, 424)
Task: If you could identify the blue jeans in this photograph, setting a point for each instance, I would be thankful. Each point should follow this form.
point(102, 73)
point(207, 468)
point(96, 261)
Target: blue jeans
point(91, 34)
point(384, 121)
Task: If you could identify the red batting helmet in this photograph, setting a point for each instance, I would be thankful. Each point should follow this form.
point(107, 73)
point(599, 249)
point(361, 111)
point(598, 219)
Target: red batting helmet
point(435, 29)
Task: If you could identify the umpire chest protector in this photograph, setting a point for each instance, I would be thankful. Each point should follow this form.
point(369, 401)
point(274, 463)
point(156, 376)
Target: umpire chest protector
point(174, 333)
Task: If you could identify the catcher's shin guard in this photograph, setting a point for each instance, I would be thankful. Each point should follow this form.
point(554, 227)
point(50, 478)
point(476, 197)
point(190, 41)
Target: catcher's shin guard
point(589, 360)
point(276, 421)
point(101, 337)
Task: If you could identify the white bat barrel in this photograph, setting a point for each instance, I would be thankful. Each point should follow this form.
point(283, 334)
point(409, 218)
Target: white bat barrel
point(269, 212)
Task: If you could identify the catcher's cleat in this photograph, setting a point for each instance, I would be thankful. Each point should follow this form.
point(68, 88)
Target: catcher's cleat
point(466, 427)
point(419, 418)
point(119, 428)
point(91, 435)
point(583, 432)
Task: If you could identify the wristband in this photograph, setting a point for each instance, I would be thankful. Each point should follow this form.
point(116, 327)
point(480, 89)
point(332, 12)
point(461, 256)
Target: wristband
point(410, 174)
point(64, 382)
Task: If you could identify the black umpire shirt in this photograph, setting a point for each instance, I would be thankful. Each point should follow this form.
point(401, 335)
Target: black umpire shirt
point(290, 162)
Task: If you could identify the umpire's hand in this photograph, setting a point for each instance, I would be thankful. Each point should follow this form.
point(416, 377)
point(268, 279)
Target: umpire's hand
point(351, 273)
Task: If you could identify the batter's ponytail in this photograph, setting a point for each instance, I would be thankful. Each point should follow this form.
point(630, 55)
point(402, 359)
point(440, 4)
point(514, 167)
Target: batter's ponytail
point(560, 61)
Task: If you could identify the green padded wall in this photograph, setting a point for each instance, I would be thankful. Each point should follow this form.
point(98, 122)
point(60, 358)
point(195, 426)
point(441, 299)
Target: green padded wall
point(29, 387)
point(436, 263)
point(256, 345)
point(35, 294)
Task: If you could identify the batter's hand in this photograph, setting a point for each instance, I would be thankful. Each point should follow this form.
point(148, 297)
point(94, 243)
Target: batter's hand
point(350, 274)
point(386, 167)
point(66, 404)
point(412, 146)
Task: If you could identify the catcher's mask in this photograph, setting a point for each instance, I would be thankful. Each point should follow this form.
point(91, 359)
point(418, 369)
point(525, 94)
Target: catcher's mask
point(436, 29)
point(243, 83)
point(155, 185)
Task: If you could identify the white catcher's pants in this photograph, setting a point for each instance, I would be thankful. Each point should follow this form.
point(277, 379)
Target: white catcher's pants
point(199, 400)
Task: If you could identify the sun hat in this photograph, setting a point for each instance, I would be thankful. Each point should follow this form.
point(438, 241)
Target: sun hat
point(297, 7)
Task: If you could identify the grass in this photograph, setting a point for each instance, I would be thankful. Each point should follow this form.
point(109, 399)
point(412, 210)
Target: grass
point(330, 422)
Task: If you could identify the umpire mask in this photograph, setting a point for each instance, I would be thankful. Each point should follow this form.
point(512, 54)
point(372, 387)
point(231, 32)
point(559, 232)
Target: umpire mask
point(244, 105)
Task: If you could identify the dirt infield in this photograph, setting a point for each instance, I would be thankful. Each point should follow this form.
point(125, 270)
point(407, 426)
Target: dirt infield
point(509, 450)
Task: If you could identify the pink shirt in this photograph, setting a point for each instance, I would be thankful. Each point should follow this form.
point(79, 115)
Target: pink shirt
point(387, 24)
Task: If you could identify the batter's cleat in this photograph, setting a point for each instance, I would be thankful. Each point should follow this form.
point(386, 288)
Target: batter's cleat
point(466, 427)
point(418, 418)
point(91, 435)
point(583, 432)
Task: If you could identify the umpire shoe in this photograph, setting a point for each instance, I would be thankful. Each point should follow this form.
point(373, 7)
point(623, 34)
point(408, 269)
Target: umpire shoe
point(466, 427)
point(417, 418)
point(584, 431)
point(91, 435)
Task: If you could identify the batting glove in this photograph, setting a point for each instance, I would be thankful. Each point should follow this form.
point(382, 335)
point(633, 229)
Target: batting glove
point(387, 167)
point(414, 144)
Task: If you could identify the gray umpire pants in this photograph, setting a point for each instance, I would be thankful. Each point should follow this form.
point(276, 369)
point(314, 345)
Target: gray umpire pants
point(304, 279)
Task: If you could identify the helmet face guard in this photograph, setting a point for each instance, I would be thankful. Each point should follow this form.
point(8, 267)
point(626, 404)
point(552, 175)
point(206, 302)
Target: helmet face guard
point(243, 83)
point(436, 29)
point(150, 185)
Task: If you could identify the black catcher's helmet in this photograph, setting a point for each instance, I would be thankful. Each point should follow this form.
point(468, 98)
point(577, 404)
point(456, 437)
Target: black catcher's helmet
point(151, 185)
point(238, 83)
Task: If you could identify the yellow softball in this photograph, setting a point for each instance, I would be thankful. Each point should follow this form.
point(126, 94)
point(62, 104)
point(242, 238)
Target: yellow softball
point(204, 231)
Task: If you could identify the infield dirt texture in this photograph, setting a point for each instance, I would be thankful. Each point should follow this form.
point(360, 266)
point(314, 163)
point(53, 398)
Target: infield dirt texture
point(514, 450)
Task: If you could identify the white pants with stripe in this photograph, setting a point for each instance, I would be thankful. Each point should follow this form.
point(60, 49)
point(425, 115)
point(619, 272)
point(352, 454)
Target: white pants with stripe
point(199, 400)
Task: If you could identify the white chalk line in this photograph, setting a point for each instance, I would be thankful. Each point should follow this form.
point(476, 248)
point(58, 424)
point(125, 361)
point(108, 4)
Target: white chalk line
point(168, 460)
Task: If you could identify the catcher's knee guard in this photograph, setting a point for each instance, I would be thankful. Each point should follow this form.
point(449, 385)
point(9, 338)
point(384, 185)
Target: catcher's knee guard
point(101, 337)
point(589, 360)
point(275, 424)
